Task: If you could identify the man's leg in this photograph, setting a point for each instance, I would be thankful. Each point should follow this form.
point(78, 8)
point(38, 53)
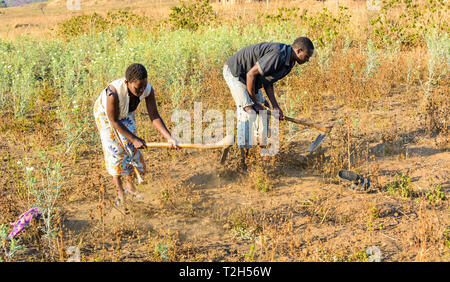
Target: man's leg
point(243, 103)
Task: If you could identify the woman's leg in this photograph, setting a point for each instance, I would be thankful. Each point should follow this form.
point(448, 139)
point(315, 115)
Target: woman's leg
point(130, 186)
point(119, 188)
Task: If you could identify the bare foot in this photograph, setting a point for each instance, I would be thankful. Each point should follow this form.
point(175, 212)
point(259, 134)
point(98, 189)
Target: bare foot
point(130, 188)
point(120, 199)
point(134, 193)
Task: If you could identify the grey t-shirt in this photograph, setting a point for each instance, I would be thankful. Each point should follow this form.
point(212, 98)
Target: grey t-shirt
point(273, 60)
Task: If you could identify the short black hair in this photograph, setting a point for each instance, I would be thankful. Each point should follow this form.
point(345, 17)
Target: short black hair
point(135, 72)
point(303, 43)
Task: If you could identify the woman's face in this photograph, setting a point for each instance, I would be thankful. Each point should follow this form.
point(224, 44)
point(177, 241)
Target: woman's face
point(136, 87)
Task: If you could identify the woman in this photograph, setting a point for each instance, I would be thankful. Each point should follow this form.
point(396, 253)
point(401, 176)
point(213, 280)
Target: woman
point(116, 122)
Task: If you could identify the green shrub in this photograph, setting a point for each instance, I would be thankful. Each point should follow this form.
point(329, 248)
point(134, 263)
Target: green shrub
point(401, 186)
point(407, 21)
point(92, 23)
point(323, 27)
point(191, 15)
point(436, 195)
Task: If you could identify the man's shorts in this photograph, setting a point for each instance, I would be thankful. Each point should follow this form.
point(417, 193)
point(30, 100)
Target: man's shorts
point(246, 123)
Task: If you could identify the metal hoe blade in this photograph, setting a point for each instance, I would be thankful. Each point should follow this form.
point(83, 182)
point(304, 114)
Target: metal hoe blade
point(317, 142)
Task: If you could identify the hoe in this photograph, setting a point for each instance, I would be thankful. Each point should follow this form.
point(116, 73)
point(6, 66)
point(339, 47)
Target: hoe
point(315, 144)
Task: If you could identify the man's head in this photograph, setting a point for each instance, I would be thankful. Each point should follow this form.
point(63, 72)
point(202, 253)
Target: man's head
point(303, 49)
point(136, 79)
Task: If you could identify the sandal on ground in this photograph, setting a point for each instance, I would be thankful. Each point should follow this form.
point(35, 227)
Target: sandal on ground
point(118, 201)
point(135, 194)
point(358, 181)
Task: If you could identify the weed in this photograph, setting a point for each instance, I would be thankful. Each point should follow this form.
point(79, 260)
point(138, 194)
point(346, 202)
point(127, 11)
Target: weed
point(401, 186)
point(47, 192)
point(250, 255)
point(10, 247)
point(436, 195)
point(244, 234)
point(261, 180)
point(161, 251)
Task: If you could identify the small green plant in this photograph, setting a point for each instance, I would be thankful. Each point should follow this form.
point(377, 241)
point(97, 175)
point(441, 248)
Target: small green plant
point(165, 195)
point(374, 213)
point(359, 256)
point(244, 226)
point(401, 186)
point(244, 234)
point(160, 251)
point(436, 195)
point(447, 237)
point(261, 180)
point(250, 256)
point(372, 59)
point(47, 192)
point(9, 247)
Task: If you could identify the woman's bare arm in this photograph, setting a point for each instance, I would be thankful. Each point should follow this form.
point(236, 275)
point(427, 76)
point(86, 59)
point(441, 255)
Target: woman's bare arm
point(156, 119)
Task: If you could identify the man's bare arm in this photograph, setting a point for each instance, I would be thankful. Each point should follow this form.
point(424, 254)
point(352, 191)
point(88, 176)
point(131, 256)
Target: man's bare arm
point(251, 77)
point(271, 95)
point(273, 101)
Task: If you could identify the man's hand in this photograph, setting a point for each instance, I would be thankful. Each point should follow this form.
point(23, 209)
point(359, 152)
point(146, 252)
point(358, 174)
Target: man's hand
point(258, 107)
point(174, 143)
point(280, 112)
point(139, 143)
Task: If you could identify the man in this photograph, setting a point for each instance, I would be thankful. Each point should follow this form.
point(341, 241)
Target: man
point(260, 66)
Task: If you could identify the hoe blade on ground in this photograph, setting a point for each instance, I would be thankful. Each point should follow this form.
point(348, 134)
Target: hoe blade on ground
point(317, 142)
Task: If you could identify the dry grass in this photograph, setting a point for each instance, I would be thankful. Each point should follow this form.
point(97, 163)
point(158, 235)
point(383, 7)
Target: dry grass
point(289, 208)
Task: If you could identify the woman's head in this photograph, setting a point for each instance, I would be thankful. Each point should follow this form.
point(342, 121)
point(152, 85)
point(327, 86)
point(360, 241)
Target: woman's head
point(136, 79)
point(303, 49)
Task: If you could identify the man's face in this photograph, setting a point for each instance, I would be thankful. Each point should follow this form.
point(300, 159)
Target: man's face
point(136, 87)
point(302, 56)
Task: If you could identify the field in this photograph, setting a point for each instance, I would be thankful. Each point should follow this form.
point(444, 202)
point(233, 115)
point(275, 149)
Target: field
point(379, 75)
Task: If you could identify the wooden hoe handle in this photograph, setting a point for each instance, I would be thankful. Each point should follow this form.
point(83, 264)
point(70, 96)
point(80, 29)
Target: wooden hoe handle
point(326, 129)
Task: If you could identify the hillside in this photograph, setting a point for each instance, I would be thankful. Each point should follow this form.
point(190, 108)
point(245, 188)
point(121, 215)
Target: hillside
point(15, 3)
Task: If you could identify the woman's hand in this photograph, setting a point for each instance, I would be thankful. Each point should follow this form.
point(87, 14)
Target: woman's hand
point(174, 143)
point(139, 143)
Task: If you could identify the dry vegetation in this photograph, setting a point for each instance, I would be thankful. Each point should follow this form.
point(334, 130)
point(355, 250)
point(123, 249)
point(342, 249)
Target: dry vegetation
point(383, 84)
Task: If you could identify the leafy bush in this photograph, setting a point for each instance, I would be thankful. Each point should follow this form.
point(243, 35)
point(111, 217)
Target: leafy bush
point(436, 195)
point(92, 23)
point(407, 21)
point(401, 186)
point(323, 27)
point(191, 15)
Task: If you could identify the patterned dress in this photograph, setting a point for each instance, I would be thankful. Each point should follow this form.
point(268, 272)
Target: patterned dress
point(117, 160)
